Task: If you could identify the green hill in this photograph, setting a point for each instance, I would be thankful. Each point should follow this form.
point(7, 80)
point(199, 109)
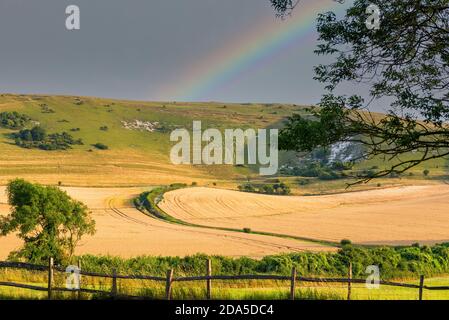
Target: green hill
point(136, 135)
point(127, 142)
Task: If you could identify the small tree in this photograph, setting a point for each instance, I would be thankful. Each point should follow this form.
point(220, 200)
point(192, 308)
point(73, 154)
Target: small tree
point(101, 146)
point(426, 172)
point(38, 133)
point(268, 189)
point(48, 221)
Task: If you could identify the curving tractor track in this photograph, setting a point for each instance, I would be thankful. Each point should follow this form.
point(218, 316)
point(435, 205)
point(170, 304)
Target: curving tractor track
point(122, 230)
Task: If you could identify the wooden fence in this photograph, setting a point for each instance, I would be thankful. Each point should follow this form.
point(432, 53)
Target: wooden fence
point(294, 280)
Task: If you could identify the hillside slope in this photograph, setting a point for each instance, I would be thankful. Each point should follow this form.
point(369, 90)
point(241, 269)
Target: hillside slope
point(137, 134)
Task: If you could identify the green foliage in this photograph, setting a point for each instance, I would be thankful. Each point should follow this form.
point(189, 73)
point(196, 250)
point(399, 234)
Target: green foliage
point(37, 133)
point(13, 120)
point(314, 169)
point(276, 188)
point(247, 187)
point(175, 186)
point(101, 146)
point(281, 188)
point(48, 221)
point(37, 137)
point(283, 7)
point(393, 263)
point(267, 189)
point(405, 61)
point(148, 201)
point(340, 166)
point(371, 173)
point(426, 172)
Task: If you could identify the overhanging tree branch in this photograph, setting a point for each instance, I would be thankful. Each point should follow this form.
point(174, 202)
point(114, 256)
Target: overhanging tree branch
point(405, 61)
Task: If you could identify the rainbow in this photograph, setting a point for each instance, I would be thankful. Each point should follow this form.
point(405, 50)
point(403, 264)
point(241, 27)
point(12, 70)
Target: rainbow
point(253, 48)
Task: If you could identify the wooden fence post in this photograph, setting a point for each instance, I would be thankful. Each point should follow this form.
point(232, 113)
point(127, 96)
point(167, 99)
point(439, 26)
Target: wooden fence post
point(349, 280)
point(421, 286)
point(209, 281)
point(79, 278)
point(114, 283)
point(293, 284)
point(168, 284)
point(50, 277)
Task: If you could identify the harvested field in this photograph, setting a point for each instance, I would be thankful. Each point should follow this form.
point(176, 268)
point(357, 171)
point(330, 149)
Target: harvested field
point(124, 231)
point(399, 215)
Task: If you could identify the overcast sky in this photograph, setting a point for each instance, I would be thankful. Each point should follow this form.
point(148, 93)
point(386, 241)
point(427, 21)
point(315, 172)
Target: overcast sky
point(147, 49)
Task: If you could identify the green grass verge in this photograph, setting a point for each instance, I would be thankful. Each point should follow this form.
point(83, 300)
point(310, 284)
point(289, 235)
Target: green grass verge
point(147, 202)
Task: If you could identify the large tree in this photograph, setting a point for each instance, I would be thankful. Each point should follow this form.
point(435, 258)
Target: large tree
point(405, 65)
point(48, 221)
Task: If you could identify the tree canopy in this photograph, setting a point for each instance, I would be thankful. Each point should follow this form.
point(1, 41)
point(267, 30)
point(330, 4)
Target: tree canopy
point(48, 221)
point(404, 63)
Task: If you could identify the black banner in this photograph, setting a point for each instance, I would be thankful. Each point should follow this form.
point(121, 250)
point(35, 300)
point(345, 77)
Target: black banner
point(232, 310)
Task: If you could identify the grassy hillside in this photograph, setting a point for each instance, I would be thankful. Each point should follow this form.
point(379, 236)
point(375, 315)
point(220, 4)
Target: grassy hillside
point(134, 157)
point(139, 157)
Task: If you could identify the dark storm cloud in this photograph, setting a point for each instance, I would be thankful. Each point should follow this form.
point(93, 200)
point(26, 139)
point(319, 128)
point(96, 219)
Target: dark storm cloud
point(129, 49)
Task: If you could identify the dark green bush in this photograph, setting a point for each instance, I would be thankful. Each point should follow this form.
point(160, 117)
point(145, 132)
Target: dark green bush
point(247, 187)
point(37, 137)
point(101, 146)
point(13, 120)
point(340, 166)
point(277, 188)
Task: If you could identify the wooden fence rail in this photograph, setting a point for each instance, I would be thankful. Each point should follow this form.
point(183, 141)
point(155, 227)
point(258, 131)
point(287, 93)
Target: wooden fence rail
point(207, 278)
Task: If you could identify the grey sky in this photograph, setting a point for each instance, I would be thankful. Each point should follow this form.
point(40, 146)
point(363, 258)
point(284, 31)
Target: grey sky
point(131, 49)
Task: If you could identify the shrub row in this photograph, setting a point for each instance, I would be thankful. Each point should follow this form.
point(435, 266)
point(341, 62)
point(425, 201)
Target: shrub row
point(400, 262)
point(275, 188)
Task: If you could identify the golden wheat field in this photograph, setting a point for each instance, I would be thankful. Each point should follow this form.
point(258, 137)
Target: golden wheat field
point(124, 231)
point(399, 215)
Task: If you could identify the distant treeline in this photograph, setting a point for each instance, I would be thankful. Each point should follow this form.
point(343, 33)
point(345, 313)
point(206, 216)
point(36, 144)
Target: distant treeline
point(400, 262)
point(319, 170)
point(266, 188)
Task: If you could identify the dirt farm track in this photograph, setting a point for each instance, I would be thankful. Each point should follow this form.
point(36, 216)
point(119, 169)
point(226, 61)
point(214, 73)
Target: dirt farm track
point(400, 215)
